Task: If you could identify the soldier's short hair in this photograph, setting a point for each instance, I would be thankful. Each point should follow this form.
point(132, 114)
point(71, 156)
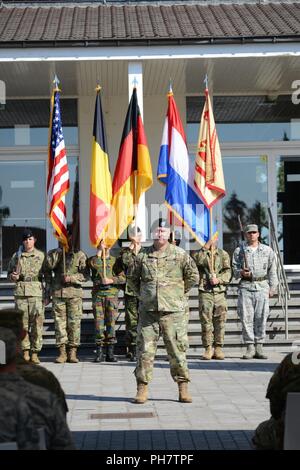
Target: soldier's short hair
point(12, 318)
point(8, 338)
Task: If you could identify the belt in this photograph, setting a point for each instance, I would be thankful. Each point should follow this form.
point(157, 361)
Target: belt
point(255, 279)
point(28, 279)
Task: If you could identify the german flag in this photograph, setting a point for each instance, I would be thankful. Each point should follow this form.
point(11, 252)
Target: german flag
point(133, 173)
point(100, 187)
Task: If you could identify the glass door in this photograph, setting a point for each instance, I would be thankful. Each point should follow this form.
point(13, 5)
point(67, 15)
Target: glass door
point(288, 208)
point(22, 204)
point(246, 179)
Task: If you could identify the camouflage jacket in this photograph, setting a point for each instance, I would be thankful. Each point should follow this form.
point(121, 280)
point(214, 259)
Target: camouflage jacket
point(221, 269)
point(285, 379)
point(44, 407)
point(32, 270)
point(124, 260)
point(162, 278)
point(38, 375)
point(16, 422)
point(262, 264)
point(76, 268)
point(95, 263)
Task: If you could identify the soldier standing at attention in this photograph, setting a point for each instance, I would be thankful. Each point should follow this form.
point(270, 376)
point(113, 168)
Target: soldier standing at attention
point(26, 269)
point(126, 257)
point(215, 273)
point(255, 265)
point(66, 290)
point(106, 286)
point(161, 276)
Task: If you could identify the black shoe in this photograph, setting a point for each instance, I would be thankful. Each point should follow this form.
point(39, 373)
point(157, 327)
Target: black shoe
point(132, 352)
point(110, 357)
point(99, 354)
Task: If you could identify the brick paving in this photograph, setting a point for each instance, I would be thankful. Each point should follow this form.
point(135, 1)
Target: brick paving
point(228, 403)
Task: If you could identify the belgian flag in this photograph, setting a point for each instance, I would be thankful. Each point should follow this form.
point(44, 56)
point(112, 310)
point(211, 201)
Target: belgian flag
point(100, 187)
point(133, 173)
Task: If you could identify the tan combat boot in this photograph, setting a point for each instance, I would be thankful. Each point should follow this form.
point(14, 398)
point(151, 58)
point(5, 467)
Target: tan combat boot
point(35, 358)
point(184, 396)
point(73, 359)
point(26, 355)
point(208, 354)
point(142, 393)
point(218, 353)
point(62, 355)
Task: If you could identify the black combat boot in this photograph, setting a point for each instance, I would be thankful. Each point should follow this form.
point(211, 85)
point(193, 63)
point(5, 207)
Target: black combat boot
point(132, 350)
point(110, 354)
point(99, 353)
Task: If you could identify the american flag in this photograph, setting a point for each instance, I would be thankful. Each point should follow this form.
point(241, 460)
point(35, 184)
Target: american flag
point(58, 182)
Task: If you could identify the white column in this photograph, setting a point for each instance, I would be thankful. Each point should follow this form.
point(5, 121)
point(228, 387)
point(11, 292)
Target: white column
point(135, 79)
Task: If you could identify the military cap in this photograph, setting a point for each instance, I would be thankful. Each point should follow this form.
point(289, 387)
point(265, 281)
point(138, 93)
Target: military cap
point(12, 318)
point(9, 352)
point(132, 231)
point(27, 234)
point(251, 228)
point(160, 223)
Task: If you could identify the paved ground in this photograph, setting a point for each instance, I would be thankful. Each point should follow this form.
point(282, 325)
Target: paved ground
point(228, 403)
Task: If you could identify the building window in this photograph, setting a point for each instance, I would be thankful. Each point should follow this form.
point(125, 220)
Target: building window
point(247, 118)
point(26, 122)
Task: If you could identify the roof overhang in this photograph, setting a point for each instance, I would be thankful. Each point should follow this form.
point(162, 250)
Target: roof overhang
point(134, 52)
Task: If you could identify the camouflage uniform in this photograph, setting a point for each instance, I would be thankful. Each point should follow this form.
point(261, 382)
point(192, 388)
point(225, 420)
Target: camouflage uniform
point(286, 379)
point(12, 320)
point(162, 279)
point(253, 296)
point(44, 408)
point(67, 297)
point(38, 375)
point(105, 299)
point(16, 423)
point(126, 257)
point(29, 295)
point(212, 299)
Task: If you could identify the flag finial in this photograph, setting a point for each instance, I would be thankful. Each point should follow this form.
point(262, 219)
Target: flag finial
point(98, 88)
point(135, 82)
point(56, 82)
point(206, 81)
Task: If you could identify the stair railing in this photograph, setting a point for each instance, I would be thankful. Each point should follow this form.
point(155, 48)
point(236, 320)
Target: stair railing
point(283, 287)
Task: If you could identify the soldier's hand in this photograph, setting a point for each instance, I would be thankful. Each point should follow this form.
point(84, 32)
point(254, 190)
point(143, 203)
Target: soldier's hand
point(47, 300)
point(245, 273)
point(107, 280)
point(214, 281)
point(66, 278)
point(14, 276)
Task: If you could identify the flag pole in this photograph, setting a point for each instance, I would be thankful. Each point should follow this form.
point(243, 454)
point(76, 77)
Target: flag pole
point(135, 209)
point(104, 261)
point(64, 260)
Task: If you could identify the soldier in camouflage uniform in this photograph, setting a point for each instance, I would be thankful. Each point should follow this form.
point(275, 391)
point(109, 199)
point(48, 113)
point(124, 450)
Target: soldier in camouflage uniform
point(215, 273)
point(126, 257)
point(255, 265)
point(12, 319)
point(26, 269)
point(66, 291)
point(106, 286)
point(161, 276)
point(286, 379)
point(44, 407)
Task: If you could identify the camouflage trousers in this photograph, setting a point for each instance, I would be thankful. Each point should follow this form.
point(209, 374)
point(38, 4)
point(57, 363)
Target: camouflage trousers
point(269, 435)
point(33, 319)
point(173, 328)
point(212, 313)
point(131, 319)
point(67, 314)
point(253, 311)
point(105, 310)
